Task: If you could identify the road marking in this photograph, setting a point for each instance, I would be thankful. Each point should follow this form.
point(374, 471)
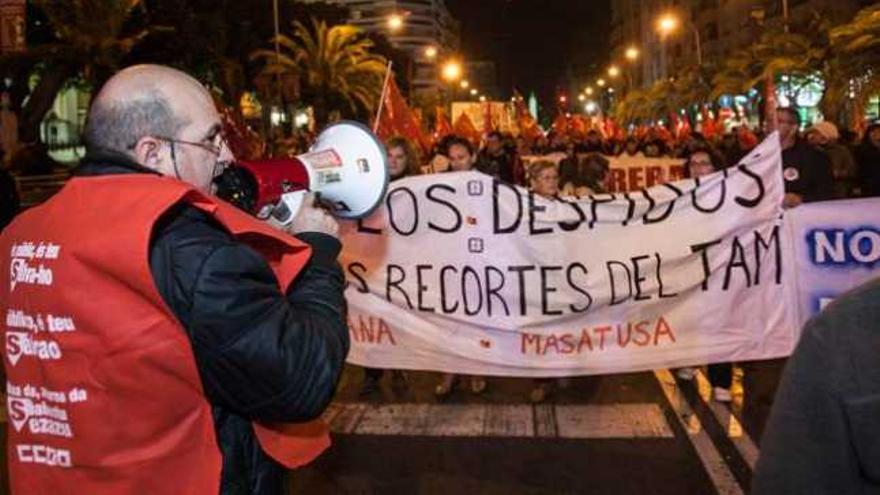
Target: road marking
point(605, 421)
point(732, 427)
point(713, 463)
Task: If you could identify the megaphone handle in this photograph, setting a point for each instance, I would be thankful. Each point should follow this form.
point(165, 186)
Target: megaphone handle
point(289, 206)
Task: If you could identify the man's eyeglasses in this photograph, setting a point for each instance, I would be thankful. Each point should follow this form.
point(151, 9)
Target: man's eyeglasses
point(215, 149)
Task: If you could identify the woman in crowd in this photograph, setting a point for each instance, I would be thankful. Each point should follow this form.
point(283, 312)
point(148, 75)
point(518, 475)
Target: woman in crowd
point(462, 158)
point(544, 182)
point(403, 161)
point(702, 162)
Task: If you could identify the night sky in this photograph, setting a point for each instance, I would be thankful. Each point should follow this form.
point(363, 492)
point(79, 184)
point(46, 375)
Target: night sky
point(537, 45)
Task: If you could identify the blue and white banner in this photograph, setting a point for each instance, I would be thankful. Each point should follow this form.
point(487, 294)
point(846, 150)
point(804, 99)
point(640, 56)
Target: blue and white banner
point(836, 247)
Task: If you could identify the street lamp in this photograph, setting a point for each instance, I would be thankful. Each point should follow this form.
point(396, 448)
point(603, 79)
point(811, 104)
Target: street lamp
point(482, 98)
point(632, 53)
point(589, 90)
point(395, 22)
point(600, 83)
point(474, 92)
point(451, 71)
point(465, 84)
point(582, 97)
point(613, 71)
point(668, 23)
point(431, 52)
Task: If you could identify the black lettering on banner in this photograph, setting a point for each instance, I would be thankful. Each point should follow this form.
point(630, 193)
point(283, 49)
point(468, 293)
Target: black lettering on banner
point(662, 295)
point(363, 289)
point(533, 208)
point(422, 288)
point(492, 290)
point(651, 203)
point(703, 249)
point(612, 279)
point(630, 210)
point(446, 309)
point(568, 275)
point(737, 259)
point(496, 208)
point(546, 290)
point(429, 193)
point(759, 243)
point(396, 284)
point(712, 209)
point(520, 271)
point(367, 230)
point(638, 278)
point(572, 226)
point(464, 291)
point(751, 203)
point(415, 210)
point(595, 204)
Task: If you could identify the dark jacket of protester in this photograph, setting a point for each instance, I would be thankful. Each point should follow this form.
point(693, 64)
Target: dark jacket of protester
point(500, 166)
point(9, 201)
point(823, 435)
point(868, 159)
point(807, 172)
point(192, 256)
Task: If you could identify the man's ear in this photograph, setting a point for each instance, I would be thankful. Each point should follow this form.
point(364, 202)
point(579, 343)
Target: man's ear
point(148, 152)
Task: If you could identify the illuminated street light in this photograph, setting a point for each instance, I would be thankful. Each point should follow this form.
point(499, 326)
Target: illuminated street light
point(482, 98)
point(632, 53)
point(613, 71)
point(589, 90)
point(474, 92)
point(395, 22)
point(452, 71)
point(465, 84)
point(581, 97)
point(600, 83)
point(667, 23)
point(431, 52)
point(563, 99)
point(610, 90)
point(590, 107)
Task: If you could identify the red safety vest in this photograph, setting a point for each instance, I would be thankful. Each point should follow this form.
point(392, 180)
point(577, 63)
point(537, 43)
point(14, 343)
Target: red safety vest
point(104, 396)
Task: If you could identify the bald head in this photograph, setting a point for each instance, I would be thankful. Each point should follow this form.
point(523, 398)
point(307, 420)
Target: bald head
point(143, 100)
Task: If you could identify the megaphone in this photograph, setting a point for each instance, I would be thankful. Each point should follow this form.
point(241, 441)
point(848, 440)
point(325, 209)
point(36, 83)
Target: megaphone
point(346, 167)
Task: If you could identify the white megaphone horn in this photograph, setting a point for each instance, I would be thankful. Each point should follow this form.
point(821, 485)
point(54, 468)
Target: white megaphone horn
point(346, 167)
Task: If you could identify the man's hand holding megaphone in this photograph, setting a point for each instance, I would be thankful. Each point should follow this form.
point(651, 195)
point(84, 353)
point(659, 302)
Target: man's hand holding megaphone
point(311, 217)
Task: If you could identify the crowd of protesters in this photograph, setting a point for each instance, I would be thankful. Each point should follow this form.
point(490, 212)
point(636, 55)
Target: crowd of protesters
point(820, 162)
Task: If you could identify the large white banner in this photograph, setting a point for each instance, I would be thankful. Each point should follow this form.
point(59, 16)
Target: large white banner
point(836, 247)
point(462, 274)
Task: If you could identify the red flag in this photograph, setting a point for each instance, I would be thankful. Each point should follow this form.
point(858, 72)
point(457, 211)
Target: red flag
point(528, 126)
point(709, 127)
point(770, 105)
point(577, 127)
point(465, 128)
point(442, 127)
point(560, 125)
point(397, 119)
point(488, 126)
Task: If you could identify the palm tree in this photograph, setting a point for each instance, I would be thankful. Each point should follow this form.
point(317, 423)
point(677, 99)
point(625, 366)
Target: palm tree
point(336, 68)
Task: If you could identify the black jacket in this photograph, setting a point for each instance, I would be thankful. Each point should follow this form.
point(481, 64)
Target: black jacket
point(261, 354)
point(823, 435)
point(807, 172)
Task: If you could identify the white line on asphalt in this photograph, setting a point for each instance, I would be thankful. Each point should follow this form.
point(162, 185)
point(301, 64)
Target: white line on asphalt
point(607, 421)
point(734, 429)
point(713, 463)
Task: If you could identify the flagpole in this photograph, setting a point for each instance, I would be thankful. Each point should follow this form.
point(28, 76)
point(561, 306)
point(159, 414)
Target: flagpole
point(382, 98)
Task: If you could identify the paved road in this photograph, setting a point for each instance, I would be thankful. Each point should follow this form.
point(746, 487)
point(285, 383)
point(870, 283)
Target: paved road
point(639, 433)
point(634, 433)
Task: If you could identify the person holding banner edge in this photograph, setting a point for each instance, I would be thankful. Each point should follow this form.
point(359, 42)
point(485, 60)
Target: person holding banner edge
point(700, 163)
point(461, 159)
